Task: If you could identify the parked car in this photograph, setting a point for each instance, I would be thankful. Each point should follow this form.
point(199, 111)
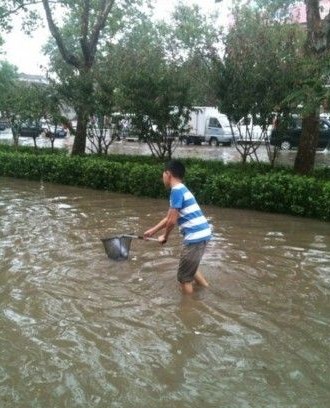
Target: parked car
point(30, 129)
point(35, 129)
point(289, 138)
point(250, 129)
point(4, 124)
point(57, 132)
point(50, 130)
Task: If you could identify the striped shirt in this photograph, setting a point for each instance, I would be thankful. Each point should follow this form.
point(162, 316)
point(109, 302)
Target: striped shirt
point(192, 223)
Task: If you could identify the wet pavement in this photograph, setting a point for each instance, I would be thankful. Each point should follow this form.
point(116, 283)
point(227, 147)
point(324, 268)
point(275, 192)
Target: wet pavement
point(226, 154)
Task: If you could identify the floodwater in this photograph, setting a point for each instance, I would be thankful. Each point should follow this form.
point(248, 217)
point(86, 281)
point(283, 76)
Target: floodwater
point(80, 330)
point(226, 154)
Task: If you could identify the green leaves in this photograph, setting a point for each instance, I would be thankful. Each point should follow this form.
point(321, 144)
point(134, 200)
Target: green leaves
point(151, 88)
point(256, 187)
point(261, 65)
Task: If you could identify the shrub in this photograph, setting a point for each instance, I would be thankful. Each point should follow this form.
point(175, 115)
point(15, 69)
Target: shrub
point(146, 180)
point(255, 187)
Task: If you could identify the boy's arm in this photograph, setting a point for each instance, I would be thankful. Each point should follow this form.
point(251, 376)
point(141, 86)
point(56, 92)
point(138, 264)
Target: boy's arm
point(171, 220)
point(152, 231)
point(168, 223)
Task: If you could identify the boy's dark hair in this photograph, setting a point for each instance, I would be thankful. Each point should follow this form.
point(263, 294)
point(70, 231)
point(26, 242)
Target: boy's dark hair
point(176, 168)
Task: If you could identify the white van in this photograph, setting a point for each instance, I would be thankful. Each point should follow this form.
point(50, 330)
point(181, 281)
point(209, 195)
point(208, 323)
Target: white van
point(249, 131)
point(207, 124)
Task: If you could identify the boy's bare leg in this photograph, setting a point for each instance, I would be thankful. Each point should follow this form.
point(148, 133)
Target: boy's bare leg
point(187, 288)
point(200, 279)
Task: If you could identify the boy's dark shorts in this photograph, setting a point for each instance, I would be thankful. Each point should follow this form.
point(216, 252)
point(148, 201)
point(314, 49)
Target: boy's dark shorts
point(190, 258)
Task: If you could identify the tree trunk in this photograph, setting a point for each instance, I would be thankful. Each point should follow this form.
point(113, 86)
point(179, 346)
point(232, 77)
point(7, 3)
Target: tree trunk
point(79, 143)
point(314, 46)
point(305, 158)
point(93, 20)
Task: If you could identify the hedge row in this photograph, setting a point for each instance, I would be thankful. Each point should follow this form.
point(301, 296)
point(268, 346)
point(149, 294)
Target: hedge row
point(233, 186)
point(210, 165)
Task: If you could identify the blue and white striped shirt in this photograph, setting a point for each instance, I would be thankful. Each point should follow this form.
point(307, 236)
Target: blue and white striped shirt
point(192, 223)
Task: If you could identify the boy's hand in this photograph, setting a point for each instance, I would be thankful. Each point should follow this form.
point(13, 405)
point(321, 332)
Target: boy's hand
point(149, 233)
point(162, 239)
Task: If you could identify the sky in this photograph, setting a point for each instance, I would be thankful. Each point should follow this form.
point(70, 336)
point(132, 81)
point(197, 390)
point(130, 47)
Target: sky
point(25, 52)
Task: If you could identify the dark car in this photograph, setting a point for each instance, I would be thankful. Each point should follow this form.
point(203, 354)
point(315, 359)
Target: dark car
point(35, 129)
point(60, 132)
point(54, 131)
point(30, 129)
point(4, 124)
point(288, 138)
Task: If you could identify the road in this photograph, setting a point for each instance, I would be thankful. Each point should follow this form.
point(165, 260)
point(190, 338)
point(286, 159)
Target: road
point(226, 154)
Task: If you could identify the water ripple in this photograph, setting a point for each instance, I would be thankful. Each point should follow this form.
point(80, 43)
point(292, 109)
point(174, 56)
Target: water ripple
point(79, 330)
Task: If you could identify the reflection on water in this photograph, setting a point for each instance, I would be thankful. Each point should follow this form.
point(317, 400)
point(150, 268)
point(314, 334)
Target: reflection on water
point(226, 154)
point(79, 330)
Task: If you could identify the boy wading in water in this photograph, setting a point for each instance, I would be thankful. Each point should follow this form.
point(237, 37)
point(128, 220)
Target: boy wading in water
point(184, 211)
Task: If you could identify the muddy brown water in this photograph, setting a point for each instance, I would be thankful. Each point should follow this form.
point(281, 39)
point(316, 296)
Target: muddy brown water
point(79, 330)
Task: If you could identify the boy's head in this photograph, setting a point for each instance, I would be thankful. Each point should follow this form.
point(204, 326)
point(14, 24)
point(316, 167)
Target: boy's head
point(174, 169)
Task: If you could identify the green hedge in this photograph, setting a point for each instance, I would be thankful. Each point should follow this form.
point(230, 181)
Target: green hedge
point(255, 187)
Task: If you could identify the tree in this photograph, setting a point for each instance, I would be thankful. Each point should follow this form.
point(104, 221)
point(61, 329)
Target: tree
point(260, 66)
point(162, 72)
point(89, 26)
point(311, 91)
point(86, 24)
point(316, 51)
point(191, 39)
point(152, 88)
point(23, 102)
point(28, 8)
point(95, 22)
point(28, 103)
point(104, 129)
point(8, 78)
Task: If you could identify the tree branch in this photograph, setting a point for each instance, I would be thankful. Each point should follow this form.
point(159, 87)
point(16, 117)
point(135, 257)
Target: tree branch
point(19, 8)
point(84, 29)
point(67, 56)
point(316, 37)
point(105, 8)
